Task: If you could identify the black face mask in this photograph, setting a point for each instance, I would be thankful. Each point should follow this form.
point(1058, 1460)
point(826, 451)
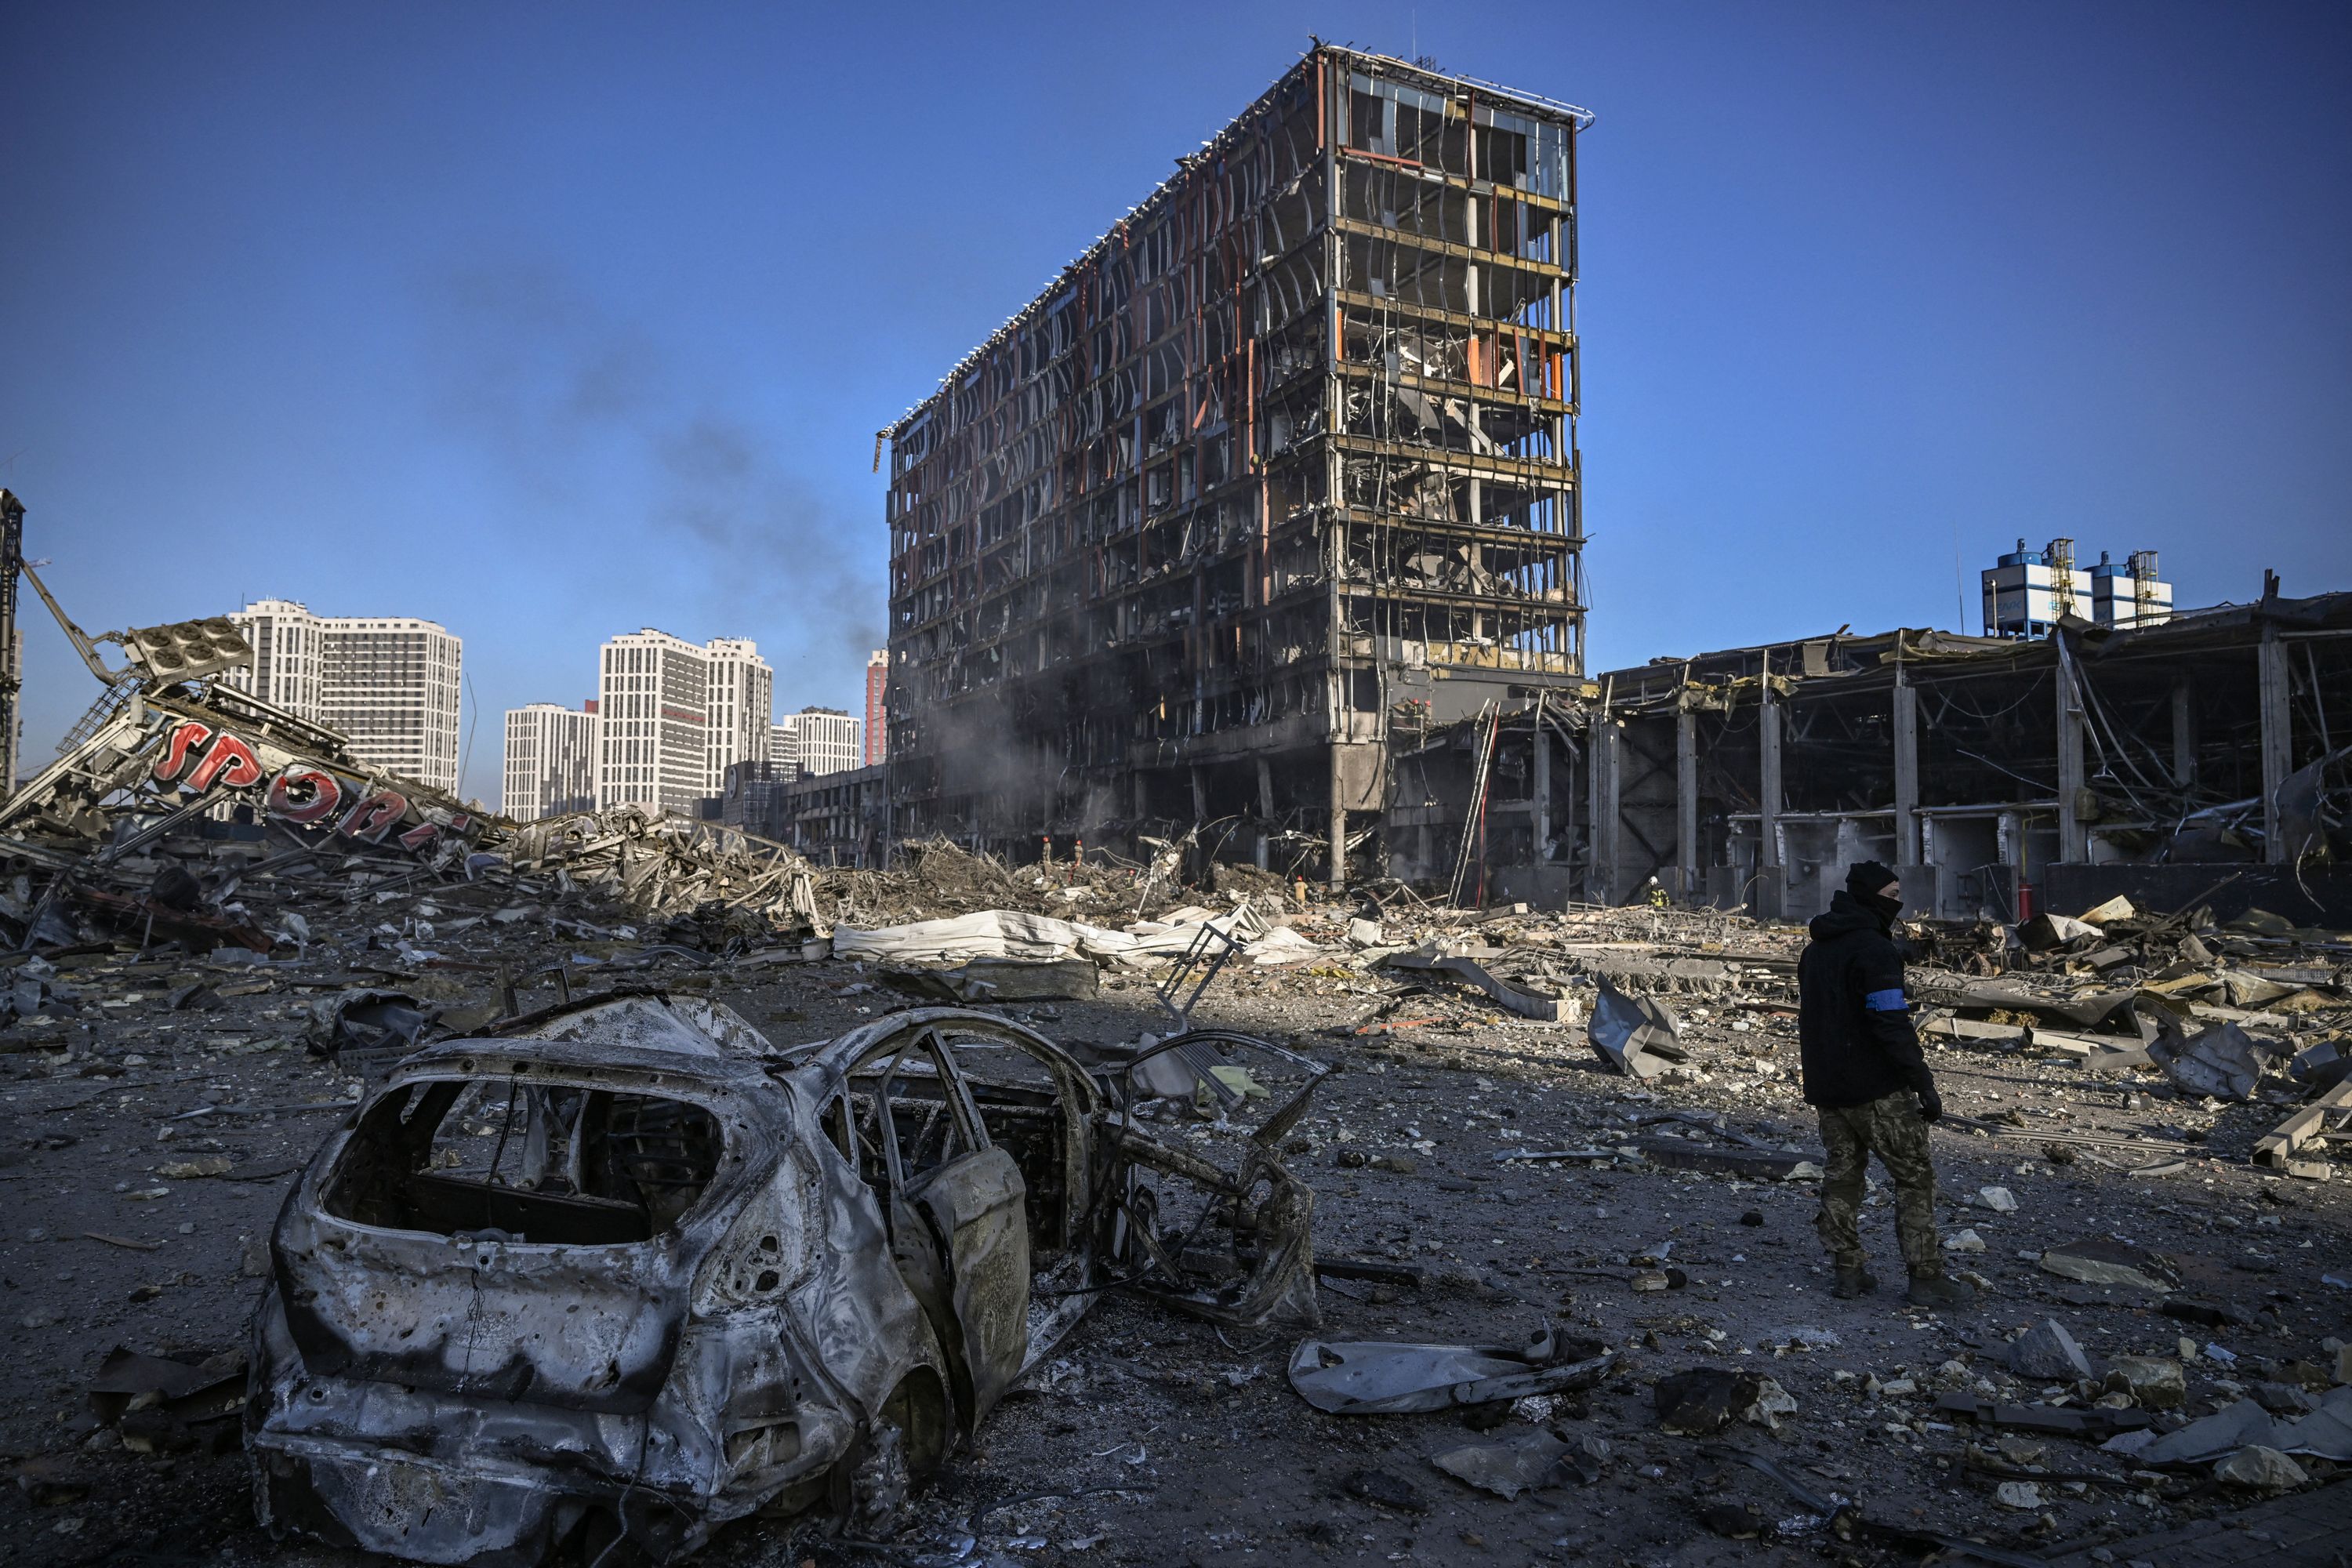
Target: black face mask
point(1887, 909)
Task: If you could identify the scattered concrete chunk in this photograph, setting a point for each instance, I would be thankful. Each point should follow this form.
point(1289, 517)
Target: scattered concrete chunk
point(1703, 1400)
point(2261, 1469)
point(1508, 1467)
point(2157, 1381)
point(2047, 1351)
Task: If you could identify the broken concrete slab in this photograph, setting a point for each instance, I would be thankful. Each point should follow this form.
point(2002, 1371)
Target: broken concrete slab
point(2103, 1260)
point(2279, 1149)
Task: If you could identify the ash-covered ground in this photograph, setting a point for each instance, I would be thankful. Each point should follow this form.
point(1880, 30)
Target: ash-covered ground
point(149, 1132)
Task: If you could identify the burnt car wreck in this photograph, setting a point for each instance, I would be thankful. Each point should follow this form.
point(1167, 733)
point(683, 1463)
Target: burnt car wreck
point(624, 1271)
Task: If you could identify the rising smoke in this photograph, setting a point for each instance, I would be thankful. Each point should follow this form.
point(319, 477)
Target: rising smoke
point(561, 392)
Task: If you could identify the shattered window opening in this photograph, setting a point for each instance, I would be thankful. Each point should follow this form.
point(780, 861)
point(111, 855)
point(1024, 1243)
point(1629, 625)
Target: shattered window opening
point(433, 1160)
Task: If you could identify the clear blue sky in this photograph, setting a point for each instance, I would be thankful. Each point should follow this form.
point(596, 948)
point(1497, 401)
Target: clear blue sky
point(550, 322)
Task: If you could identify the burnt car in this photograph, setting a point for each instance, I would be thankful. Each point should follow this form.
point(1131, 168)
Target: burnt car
point(624, 1271)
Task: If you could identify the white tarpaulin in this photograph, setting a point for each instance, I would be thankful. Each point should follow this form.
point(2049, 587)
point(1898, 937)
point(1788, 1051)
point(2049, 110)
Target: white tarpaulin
point(1008, 934)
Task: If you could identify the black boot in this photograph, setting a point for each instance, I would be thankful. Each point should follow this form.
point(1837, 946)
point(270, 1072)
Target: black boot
point(1852, 1281)
point(1936, 1291)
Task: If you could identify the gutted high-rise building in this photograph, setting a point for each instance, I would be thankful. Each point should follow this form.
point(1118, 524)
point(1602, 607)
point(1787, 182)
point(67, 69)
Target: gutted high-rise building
point(1278, 472)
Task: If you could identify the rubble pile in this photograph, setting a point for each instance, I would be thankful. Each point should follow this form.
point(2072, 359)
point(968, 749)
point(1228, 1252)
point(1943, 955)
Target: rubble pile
point(1572, 1303)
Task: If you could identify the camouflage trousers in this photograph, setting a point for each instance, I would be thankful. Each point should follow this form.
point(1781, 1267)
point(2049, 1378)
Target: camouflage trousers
point(1894, 1129)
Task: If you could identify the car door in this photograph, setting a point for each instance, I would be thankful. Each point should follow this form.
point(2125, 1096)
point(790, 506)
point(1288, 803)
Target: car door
point(959, 1230)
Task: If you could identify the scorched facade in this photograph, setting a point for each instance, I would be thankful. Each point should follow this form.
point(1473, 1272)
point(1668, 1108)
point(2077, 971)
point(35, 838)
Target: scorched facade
point(1286, 462)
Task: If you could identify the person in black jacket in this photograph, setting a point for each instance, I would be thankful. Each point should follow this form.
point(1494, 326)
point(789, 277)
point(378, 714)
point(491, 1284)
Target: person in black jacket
point(1864, 1074)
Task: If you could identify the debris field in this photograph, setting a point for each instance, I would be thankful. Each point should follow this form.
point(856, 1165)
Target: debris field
point(1563, 1153)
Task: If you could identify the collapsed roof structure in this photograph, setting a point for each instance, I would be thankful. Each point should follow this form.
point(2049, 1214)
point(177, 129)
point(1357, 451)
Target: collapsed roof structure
point(2092, 762)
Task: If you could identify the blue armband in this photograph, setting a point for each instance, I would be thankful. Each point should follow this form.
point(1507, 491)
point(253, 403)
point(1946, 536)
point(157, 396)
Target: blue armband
point(1885, 1001)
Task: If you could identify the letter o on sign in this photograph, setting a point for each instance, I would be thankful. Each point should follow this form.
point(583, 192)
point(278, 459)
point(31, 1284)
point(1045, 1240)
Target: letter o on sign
point(304, 794)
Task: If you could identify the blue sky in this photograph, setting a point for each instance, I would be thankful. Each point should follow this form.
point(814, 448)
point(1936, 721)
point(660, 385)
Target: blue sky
point(550, 322)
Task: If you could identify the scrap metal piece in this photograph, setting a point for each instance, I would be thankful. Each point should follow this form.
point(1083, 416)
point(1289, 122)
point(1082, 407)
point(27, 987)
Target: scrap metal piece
point(1526, 1003)
point(2094, 1423)
point(1636, 1035)
point(1380, 1378)
point(2220, 1062)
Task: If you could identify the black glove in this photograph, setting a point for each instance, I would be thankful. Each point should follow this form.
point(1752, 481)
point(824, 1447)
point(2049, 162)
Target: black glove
point(1931, 1105)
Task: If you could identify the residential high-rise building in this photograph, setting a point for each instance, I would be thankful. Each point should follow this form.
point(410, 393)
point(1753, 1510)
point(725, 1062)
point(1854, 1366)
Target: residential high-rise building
point(877, 685)
point(390, 684)
point(288, 645)
point(653, 699)
point(785, 750)
point(743, 706)
point(550, 761)
point(823, 740)
point(1289, 453)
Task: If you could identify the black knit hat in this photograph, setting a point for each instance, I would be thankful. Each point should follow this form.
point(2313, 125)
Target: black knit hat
point(1867, 878)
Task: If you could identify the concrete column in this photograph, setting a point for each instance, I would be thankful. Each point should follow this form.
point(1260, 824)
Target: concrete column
point(2278, 740)
point(1541, 816)
point(1600, 871)
point(1338, 872)
point(1200, 796)
point(2074, 838)
point(1771, 900)
point(1906, 771)
point(2184, 733)
point(1265, 808)
point(1686, 852)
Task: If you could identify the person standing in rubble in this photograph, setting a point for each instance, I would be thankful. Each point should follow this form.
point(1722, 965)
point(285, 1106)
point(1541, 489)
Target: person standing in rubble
point(1864, 1074)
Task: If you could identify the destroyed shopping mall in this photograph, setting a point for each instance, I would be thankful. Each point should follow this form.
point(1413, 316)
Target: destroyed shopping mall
point(1283, 1064)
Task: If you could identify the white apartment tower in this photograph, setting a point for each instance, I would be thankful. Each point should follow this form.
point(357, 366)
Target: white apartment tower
point(653, 699)
point(287, 642)
point(551, 761)
point(742, 704)
point(784, 749)
point(823, 740)
point(391, 685)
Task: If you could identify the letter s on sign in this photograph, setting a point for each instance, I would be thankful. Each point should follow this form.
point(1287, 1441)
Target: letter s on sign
point(185, 737)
